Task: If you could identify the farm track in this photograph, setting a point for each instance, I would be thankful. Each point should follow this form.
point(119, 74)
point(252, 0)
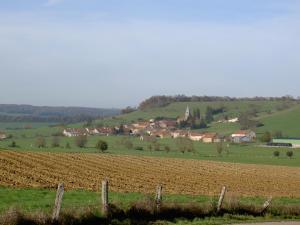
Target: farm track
point(142, 174)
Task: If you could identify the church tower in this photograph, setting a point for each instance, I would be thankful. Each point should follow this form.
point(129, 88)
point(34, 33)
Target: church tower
point(187, 113)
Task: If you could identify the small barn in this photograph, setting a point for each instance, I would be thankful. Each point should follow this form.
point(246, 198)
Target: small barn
point(295, 142)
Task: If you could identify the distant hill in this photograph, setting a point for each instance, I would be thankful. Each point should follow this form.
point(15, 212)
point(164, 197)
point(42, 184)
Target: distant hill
point(29, 113)
point(164, 100)
point(276, 114)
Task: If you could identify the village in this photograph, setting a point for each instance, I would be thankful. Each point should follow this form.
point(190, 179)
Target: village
point(165, 128)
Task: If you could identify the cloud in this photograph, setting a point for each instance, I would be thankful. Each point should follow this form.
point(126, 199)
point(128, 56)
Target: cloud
point(53, 2)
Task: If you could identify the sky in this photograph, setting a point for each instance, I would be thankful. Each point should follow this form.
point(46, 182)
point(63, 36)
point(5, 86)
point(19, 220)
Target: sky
point(115, 53)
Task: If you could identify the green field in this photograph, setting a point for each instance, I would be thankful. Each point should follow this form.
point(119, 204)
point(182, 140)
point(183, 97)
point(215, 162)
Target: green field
point(247, 153)
point(30, 200)
point(42, 200)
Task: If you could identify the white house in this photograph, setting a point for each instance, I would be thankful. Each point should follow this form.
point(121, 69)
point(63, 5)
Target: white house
point(243, 136)
point(179, 133)
point(2, 135)
point(194, 136)
point(233, 120)
point(74, 132)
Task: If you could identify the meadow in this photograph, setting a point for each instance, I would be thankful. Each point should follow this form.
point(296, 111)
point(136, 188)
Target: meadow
point(38, 203)
point(246, 153)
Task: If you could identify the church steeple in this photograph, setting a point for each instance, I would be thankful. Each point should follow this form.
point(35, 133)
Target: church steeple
point(187, 113)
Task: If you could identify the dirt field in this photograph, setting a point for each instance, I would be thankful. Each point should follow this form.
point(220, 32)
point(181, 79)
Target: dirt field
point(142, 174)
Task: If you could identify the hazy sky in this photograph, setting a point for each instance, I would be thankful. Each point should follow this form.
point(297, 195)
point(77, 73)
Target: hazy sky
point(114, 53)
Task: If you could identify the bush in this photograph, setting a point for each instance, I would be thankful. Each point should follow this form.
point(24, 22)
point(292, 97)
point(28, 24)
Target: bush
point(57, 134)
point(185, 145)
point(102, 145)
point(81, 141)
point(220, 148)
point(127, 143)
point(156, 146)
point(140, 148)
point(289, 154)
point(68, 146)
point(267, 137)
point(276, 153)
point(277, 134)
point(13, 144)
point(55, 142)
point(167, 149)
point(40, 142)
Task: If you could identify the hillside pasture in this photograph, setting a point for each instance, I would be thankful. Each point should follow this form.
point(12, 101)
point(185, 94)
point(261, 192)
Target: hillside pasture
point(174, 110)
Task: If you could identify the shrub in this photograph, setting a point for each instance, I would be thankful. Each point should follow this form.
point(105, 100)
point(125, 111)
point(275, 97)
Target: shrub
point(219, 148)
point(81, 141)
point(127, 143)
point(102, 145)
point(156, 147)
point(289, 154)
point(276, 153)
point(40, 142)
point(185, 145)
point(13, 144)
point(57, 134)
point(140, 148)
point(55, 142)
point(68, 146)
point(167, 149)
point(277, 134)
point(267, 137)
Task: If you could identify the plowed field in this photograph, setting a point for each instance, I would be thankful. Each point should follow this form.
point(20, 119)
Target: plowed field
point(142, 174)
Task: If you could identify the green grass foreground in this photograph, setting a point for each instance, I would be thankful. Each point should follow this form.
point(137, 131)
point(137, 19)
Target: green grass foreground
point(84, 207)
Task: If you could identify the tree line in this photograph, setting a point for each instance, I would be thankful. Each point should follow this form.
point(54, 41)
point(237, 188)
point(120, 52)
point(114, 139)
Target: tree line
point(164, 100)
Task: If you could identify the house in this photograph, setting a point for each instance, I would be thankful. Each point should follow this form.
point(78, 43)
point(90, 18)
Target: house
point(195, 136)
point(209, 137)
point(92, 131)
point(74, 132)
point(167, 123)
point(233, 120)
point(2, 135)
point(105, 130)
point(243, 136)
point(141, 125)
point(179, 133)
point(161, 134)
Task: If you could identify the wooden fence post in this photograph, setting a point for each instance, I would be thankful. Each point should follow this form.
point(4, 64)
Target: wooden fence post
point(58, 201)
point(105, 206)
point(221, 198)
point(266, 204)
point(158, 197)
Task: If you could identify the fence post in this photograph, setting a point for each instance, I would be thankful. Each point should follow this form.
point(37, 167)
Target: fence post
point(158, 197)
point(266, 204)
point(221, 198)
point(105, 206)
point(58, 201)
